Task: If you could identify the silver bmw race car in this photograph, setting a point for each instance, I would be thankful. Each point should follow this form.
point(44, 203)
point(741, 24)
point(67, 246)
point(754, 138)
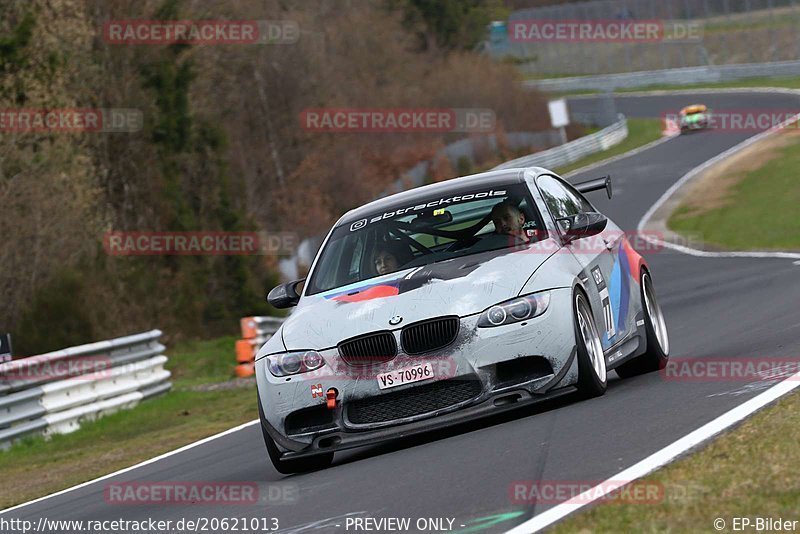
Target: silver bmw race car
point(450, 302)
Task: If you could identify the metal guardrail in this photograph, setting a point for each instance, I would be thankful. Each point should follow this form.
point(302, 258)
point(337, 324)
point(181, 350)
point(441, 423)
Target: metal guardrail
point(715, 31)
point(255, 332)
point(467, 148)
point(55, 392)
point(574, 150)
point(681, 76)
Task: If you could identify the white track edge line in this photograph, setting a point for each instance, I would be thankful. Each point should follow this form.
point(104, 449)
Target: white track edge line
point(659, 458)
point(136, 466)
point(694, 173)
point(733, 416)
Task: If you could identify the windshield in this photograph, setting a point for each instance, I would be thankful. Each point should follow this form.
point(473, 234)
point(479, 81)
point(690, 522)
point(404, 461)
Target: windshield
point(430, 231)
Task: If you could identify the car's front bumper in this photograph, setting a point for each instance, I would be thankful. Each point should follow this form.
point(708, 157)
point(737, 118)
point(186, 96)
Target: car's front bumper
point(489, 356)
point(490, 404)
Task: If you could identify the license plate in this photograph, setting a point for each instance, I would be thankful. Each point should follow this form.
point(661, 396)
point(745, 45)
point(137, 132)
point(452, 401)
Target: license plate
point(408, 375)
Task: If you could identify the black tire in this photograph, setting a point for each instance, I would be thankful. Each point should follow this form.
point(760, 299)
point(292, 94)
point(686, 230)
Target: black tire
point(655, 357)
point(590, 383)
point(296, 465)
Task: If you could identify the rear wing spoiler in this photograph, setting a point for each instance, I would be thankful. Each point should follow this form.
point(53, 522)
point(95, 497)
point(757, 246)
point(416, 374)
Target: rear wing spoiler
point(604, 182)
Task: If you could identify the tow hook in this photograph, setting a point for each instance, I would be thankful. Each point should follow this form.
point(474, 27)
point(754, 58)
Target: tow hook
point(330, 396)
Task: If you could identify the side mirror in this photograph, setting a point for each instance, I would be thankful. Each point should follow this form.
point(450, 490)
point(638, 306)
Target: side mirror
point(583, 225)
point(285, 295)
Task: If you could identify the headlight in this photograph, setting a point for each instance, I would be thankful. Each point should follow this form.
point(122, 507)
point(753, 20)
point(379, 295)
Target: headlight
point(291, 363)
point(515, 310)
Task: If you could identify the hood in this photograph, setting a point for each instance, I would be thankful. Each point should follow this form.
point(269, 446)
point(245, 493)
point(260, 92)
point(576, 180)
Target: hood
point(460, 286)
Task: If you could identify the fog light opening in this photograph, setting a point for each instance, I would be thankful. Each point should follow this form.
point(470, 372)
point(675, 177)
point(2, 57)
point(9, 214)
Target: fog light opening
point(326, 443)
point(507, 399)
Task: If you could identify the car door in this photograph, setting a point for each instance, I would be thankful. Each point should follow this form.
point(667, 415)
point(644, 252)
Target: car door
point(596, 255)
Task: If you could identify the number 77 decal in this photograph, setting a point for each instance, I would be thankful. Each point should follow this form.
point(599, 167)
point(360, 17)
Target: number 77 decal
point(605, 299)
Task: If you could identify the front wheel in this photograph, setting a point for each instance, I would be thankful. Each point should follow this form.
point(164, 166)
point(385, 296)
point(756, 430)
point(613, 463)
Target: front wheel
point(296, 465)
point(592, 380)
point(657, 354)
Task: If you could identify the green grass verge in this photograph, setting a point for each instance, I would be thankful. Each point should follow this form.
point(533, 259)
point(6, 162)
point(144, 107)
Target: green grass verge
point(38, 466)
point(640, 132)
point(760, 211)
point(748, 472)
point(202, 362)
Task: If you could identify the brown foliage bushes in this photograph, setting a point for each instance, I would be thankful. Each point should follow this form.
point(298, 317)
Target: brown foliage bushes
point(361, 57)
point(48, 191)
point(222, 149)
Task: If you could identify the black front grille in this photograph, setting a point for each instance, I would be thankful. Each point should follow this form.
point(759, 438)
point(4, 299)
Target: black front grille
point(412, 401)
point(379, 347)
point(430, 335)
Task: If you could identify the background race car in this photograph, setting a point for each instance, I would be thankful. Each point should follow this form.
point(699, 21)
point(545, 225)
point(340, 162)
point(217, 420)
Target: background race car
point(694, 117)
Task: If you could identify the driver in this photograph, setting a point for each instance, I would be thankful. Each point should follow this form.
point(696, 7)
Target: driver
point(508, 220)
point(389, 257)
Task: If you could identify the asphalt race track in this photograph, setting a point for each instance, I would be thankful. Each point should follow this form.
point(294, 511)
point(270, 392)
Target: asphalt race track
point(715, 308)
